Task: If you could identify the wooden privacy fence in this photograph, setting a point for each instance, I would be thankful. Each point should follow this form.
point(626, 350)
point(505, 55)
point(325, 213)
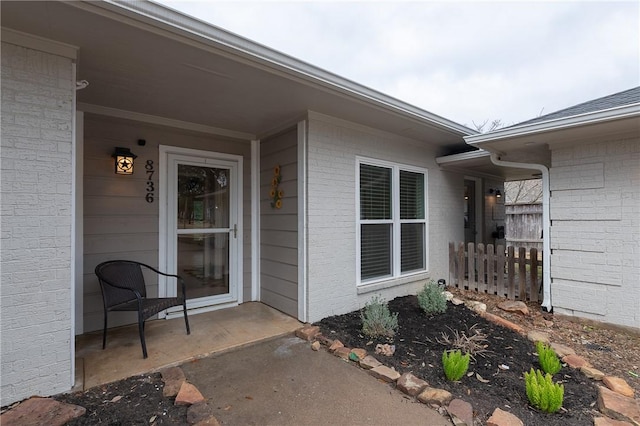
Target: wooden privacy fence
point(507, 274)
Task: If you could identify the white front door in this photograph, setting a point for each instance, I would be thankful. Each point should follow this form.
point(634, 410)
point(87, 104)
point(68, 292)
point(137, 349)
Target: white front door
point(202, 227)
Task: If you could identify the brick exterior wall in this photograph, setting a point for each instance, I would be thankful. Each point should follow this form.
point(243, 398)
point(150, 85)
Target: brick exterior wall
point(595, 213)
point(331, 184)
point(37, 112)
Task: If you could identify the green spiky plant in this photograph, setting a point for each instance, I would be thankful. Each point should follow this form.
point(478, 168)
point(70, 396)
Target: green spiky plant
point(377, 320)
point(548, 359)
point(542, 392)
point(432, 299)
point(455, 364)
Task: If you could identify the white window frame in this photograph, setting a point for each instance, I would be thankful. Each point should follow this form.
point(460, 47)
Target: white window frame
point(395, 221)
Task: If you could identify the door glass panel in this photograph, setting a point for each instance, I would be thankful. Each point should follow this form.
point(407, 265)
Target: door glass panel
point(203, 197)
point(203, 217)
point(203, 263)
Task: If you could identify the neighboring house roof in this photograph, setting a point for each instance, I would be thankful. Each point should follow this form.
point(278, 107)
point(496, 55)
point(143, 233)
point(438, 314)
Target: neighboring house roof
point(627, 97)
point(617, 113)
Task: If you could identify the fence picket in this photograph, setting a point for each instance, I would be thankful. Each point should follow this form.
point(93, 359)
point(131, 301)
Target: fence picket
point(522, 273)
point(461, 266)
point(482, 287)
point(535, 286)
point(471, 270)
point(501, 291)
point(491, 278)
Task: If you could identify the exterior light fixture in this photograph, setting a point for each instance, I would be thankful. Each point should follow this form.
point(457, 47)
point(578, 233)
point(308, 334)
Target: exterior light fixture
point(495, 192)
point(123, 161)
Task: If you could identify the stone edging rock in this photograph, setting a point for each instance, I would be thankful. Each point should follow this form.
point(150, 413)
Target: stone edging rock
point(615, 400)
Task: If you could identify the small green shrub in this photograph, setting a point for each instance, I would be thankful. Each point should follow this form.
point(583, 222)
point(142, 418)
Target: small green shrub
point(432, 299)
point(377, 320)
point(548, 359)
point(455, 364)
point(542, 392)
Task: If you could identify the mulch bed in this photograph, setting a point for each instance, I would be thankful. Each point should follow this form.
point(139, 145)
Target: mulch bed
point(418, 351)
point(137, 400)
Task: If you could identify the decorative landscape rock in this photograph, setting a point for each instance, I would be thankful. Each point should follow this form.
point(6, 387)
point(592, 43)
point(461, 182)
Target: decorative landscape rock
point(386, 349)
point(575, 361)
point(173, 379)
point(359, 353)
point(315, 346)
point(617, 406)
point(462, 411)
point(562, 350)
point(342, 352)
point(514, 306)
point(476, 306)
point(503, 418)
point(188, 395)
point(618, 385)
point(335, 345)
point(308, 332)
point(410, 384)
point(503, 322)
point(385, 373)
point(592, 373)
point(435, 396)
point(41, 411)
point(538, 336)
point(457, 301)
point(369, 362)
point(606, 421)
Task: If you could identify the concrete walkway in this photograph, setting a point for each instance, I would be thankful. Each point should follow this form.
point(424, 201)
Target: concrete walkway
point(283, 382)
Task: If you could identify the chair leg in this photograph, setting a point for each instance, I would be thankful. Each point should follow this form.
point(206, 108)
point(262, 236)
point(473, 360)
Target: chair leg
point(141, 330)
point(104, 331)
point(186, 319)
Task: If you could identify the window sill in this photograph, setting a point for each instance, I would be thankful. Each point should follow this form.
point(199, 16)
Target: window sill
point(392, 282)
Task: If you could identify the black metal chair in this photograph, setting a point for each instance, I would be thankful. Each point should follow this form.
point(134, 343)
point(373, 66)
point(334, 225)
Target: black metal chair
point(123, 289)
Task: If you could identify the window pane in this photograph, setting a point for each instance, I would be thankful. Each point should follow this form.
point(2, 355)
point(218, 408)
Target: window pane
point(412, 247)
point(375, 192)
point(203, 197)
point(375, 251)
point(411, 195)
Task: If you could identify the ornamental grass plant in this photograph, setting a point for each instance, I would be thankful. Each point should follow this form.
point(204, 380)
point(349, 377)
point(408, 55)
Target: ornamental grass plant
point(455, 364)
point(548, 359)
point(542, 392)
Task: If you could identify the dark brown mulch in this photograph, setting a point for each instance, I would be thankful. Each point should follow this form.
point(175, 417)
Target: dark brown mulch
point(136, 400)
point(418, 351)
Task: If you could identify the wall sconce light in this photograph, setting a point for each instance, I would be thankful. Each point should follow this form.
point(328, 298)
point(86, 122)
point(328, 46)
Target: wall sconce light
point(495, 192)
point(123, 161)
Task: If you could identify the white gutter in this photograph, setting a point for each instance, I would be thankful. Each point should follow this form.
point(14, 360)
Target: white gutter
point(546, 223)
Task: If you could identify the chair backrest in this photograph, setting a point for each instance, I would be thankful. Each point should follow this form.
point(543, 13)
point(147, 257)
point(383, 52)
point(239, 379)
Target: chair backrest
point(123, 273)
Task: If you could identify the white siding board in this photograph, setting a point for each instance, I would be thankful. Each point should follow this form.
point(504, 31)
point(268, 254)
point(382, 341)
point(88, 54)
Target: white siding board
point(119, 223)
point(278, 234)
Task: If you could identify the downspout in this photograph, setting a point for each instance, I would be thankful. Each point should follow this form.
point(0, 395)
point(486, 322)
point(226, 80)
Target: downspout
point(546, 224)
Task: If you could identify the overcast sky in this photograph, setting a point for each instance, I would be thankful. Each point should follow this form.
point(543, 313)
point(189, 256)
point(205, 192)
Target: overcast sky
point(465, 61)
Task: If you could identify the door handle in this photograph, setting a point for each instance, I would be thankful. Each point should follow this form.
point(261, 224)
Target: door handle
point(235, 231)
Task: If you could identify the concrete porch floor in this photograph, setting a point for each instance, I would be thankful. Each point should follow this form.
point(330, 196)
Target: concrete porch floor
point(168, 343)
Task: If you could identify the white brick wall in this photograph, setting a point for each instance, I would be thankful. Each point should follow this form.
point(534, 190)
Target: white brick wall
point(595, 213)
point(332, 149)
point(37, 108)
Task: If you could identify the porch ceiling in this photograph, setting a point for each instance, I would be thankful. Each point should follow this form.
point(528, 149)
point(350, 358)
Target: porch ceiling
point(136, 62)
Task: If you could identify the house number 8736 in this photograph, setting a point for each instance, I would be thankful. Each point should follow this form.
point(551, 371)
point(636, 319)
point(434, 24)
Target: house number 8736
point(150, 188)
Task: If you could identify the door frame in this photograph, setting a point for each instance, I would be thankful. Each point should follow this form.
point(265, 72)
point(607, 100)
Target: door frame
point(164, 222)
